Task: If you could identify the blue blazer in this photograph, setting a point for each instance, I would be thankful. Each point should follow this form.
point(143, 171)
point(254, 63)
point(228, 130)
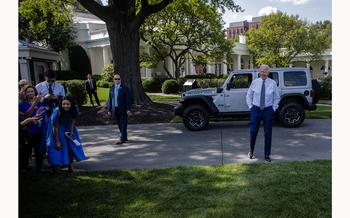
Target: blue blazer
point(124, 100)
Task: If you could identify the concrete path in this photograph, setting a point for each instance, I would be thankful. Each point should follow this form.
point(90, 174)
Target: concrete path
point(165, 145)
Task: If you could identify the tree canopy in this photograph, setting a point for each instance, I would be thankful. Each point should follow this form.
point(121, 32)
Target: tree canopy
point(281, 37)
point(123, 20)
point(185, 28)
point(46, 22)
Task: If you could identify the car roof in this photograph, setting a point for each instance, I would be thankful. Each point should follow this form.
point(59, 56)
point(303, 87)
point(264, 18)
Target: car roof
point(272, 69)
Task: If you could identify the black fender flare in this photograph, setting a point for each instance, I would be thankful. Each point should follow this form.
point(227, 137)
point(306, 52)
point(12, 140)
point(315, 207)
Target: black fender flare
point(206, 101)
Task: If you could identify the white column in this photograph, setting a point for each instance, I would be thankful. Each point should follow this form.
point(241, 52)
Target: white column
point(209, 68)
point(191, 67)
point(290, 65)
point(251, 62)
point(170, 66)
point(326, 66)
point(238, 61)
point(187, 67)
point(224, 68)
point(105, 55)
point(24, 68)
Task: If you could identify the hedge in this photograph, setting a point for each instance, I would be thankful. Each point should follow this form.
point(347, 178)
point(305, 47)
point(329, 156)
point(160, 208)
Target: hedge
point(326, 88)
point(170, 87)
point(107, 73)
point(68, 75)
point(76, 90)
point(103, 84)
point(152, 84)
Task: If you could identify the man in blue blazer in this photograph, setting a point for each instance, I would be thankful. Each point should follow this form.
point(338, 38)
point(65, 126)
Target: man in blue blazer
point(119, 106)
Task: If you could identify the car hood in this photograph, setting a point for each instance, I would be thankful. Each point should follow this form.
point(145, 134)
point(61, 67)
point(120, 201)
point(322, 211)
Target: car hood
point(206, 91)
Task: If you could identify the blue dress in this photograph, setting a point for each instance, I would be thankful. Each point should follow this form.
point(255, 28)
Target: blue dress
point(69, 148)
point(38, 128)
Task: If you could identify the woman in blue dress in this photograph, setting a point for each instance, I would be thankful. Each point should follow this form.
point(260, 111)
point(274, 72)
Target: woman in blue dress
point(63, 140)
point(30, 106)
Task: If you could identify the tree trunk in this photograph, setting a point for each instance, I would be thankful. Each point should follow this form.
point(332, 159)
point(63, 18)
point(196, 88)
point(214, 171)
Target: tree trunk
point(126, 54)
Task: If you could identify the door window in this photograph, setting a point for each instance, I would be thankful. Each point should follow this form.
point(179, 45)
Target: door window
point(240, 81)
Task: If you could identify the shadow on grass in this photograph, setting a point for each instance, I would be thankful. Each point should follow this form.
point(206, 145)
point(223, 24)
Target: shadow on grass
point(297, 189)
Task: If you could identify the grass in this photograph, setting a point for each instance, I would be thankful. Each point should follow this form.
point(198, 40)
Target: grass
point(161, 98)
point(325, 102)
point(290, 189)
point(103, 96)
point(319, 113)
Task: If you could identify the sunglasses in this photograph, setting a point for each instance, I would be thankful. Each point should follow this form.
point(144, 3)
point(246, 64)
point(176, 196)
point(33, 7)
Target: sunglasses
point(116, 78)
point(51, 80)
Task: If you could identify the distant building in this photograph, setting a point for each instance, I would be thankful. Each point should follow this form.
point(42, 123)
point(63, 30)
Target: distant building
point(240, 28)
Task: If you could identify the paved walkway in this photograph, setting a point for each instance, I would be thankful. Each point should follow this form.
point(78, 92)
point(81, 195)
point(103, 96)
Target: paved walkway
point(165, 145)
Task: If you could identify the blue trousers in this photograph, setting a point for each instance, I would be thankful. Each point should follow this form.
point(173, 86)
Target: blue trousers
point(122, 119)
point(256, 115)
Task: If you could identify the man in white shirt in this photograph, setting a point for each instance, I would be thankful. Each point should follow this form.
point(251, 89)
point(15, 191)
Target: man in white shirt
point(262, 99)
point(50, 91)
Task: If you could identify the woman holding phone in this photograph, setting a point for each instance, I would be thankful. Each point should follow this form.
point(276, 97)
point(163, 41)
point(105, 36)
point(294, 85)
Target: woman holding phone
point(62, 136)
point(33, 108)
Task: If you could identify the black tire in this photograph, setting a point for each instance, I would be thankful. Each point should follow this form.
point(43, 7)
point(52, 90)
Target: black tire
point(195, 117)
point(292, 114)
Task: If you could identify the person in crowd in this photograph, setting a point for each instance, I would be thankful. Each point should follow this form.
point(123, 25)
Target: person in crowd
point(51, 91)
point(35, 130)
point(91, 89)
point(21, 84)
point(119, 106)
point(63, 139)
point(262, 98)
point(23, 149)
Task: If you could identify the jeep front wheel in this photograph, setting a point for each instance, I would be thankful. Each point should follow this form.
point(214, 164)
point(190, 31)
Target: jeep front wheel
point(291, 115)
point(195, 117)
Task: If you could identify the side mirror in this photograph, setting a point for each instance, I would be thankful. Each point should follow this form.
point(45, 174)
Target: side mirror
point(219, 89)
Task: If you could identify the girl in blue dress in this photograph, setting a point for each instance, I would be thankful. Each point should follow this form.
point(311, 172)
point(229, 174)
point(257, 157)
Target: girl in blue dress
point(30, 106)
point(63, 140)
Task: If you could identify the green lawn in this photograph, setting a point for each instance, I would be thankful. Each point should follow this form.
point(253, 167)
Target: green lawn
point(325, 102)
point(319, 113)
point(290, 189)
point(103, 96)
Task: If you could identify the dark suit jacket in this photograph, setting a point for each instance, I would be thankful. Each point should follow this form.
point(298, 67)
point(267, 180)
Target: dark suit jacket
point(88, 87)
point(124, 99)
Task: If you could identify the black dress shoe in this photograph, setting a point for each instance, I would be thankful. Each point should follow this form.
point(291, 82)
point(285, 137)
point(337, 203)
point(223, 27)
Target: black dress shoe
point(268, 159)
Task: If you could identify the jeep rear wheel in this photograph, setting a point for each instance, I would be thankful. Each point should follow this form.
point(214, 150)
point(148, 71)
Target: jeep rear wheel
point(195, 117)
point(291, 114)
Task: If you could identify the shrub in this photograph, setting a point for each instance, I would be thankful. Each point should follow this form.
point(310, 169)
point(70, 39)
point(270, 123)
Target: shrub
point(326, 88)
point(76, 90)
point(205, 83)
point(107, 73)
point(103, 84)
point(68, 75)
point(96, 77)
point(170, 86)
point(206, 76)
point(152, 84)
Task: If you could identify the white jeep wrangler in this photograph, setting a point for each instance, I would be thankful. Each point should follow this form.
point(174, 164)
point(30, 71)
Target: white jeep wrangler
point(297, 90)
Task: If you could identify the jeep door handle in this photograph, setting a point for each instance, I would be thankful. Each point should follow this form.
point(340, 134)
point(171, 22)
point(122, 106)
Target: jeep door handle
point(226, 95)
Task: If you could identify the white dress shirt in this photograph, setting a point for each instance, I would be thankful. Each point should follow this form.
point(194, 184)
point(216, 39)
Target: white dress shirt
point(272, 96)
point(43, 89)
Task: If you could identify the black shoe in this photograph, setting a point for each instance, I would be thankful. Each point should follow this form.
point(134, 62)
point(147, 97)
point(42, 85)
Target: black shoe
point(251, 155)
point(268, 159)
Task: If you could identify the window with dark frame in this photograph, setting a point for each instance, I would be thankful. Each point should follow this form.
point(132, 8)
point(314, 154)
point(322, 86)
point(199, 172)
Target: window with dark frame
point(240, 81)
point(295, 78)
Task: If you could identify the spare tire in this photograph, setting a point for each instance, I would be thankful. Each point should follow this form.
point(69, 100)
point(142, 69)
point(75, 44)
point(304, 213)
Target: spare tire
point(316, 91)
